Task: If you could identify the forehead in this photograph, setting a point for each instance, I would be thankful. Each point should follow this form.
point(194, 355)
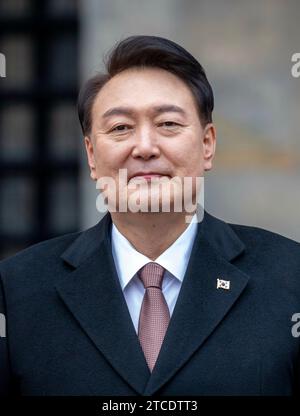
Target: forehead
point(144, 88)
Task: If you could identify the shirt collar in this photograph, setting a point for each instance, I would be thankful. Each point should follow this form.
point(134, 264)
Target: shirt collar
point(174, 259)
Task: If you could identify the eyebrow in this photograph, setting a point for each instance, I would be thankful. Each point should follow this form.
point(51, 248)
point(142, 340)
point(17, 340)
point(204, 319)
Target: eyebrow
point(127, 111)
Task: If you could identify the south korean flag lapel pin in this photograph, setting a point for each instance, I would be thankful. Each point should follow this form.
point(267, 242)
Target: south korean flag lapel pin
point(223, 284)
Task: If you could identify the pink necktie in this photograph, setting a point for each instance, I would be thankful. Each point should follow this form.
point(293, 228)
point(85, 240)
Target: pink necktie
point(154, 315)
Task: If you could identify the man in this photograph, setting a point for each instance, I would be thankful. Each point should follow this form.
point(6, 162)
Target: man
point(146, 302)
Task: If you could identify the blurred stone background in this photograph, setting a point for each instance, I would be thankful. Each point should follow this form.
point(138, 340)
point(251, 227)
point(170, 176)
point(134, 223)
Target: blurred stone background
point(53, 46)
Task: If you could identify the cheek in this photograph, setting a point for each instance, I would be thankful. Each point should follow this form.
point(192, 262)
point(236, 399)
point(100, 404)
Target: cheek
point(109, 157)
point(187, 156)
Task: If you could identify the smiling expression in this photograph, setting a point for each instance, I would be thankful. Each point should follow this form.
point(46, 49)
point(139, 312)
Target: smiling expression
point(146, 120)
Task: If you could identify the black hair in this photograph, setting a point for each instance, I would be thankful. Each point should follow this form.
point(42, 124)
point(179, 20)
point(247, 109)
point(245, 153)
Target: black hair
point(148, 51)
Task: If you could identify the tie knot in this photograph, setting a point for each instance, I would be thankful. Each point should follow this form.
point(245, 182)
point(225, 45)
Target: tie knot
point(151, 275)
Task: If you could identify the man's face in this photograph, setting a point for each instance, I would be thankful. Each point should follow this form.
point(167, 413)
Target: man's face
point(146, 121)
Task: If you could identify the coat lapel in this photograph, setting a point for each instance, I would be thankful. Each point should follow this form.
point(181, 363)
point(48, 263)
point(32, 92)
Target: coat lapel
point(93, 294)
point(200, 305)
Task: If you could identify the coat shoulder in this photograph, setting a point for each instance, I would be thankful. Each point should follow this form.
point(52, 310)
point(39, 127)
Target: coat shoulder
point(270, 247)
point(254, 233)
point(42, 254)
point(254, 240)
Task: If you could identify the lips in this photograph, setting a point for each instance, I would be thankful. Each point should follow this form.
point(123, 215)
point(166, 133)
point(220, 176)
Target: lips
point(147, 175)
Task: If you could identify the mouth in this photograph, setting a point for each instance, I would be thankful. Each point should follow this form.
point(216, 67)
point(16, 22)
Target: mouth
point(147, 175)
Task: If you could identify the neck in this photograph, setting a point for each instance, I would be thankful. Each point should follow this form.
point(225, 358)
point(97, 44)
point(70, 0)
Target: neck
point(151, 233)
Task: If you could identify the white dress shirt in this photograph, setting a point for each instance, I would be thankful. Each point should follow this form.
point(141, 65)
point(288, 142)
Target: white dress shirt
point(128, 261)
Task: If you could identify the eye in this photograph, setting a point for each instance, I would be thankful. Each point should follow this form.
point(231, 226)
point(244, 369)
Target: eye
point(169, 124)
point(121, 128)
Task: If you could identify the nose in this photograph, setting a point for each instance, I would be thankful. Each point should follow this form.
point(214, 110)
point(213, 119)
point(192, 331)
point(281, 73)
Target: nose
point(146, 144)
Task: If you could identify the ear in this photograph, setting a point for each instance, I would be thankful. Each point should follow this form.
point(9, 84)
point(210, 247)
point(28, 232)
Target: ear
point(90, 155)
point(209, 145)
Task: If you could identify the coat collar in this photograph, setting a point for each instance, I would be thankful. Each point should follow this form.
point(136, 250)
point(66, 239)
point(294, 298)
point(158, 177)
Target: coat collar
point(219, 234)
point(93, 294)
